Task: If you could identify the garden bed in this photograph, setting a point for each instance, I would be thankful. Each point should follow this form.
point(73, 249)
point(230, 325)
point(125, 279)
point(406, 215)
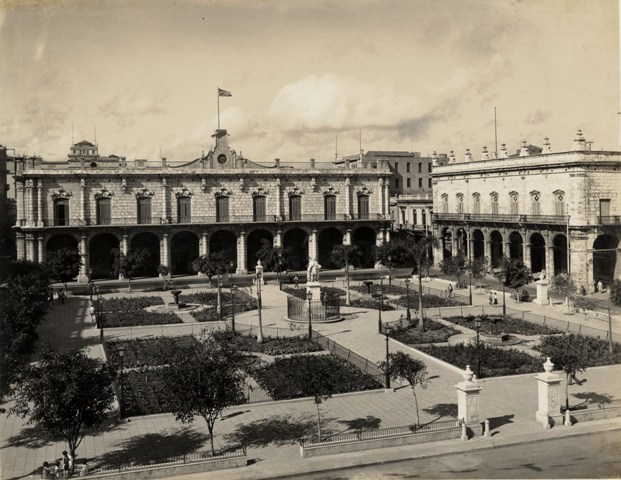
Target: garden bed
point(243, 303)
point(509, 325)
point(595, 351)
point(435, 332)
point(141, 352)
point(129, 312)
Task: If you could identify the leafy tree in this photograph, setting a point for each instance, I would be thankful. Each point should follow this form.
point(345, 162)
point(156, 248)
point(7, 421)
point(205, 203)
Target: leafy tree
point(274, 259)
point(515, 273)
point(318, 385)
point(419, 249)
point(127, 266)
point(564, 285)
point(64, 264)
point(23, 305)
point(395, 248)
point(214, 264)
point(567, 352)
point(343, 256)
point(204, 379)
point(65, 394)
point(615, 293)
point(454, 267)
point(478, 269)
point(403, 367)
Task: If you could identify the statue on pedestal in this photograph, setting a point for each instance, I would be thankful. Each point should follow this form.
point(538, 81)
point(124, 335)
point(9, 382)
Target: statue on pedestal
point(312, 272)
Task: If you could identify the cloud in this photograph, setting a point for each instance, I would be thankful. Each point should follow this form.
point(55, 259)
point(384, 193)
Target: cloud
point(142, 100)
point(538, 116)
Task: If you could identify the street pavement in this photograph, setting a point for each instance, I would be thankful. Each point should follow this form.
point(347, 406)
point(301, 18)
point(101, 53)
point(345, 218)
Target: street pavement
point(271, 430)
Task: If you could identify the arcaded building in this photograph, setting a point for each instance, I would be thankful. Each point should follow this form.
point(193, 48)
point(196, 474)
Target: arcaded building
point(220, 202)
point(557, 211)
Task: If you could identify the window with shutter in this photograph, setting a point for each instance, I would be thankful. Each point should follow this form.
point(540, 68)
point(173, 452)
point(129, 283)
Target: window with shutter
point(222, 209)
point(330, 207)
point(61, 211)
point(258, 209)
point(295, 207)
point(144, 210)
point(363, 206)
point(104, 211)
point(184, 210)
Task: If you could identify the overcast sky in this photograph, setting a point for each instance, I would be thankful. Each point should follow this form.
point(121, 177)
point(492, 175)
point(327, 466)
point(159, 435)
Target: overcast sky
point(416, 75)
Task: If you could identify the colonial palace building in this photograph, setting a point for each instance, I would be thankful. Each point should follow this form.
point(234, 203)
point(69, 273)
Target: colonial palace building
point(558, 212)
point(220, 202)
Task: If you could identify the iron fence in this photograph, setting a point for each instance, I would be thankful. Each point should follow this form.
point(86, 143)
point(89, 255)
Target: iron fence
point(384, 433)
point(320, 311)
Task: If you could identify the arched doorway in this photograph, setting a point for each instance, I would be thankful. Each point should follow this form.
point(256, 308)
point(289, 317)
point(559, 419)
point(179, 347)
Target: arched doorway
point(151, 243)
point(447, 244)
point(478, 244)
point(296, 240)
point(537, 252)
point(364, 238)
point(605, 259)
point(516, 246)
point(495, 248)
point(58, 242)
point(224, 242)
point(183, 251)
point(255, 242)
point(328, 238)
point(462, 242)
point(100, 254)
point(559, 247)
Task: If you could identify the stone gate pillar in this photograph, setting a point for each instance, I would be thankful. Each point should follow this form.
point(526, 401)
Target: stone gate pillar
point(468, 400)
point(549, 386)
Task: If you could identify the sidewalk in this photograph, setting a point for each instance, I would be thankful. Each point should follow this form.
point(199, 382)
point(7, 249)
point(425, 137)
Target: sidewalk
point(271, 429)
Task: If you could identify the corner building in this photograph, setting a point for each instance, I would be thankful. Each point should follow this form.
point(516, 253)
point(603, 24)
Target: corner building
point(558, 212)
point(221, 202)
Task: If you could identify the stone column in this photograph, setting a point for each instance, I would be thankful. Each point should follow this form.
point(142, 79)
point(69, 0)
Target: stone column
point(278, 200)
point(41, 248)
point(312, 245)
point(164, 204)
point(438, 254)
point(487, 245)
point(83, 275)
point(40, 222)
point(549, 256)
point(83, 200)
point(124, 245)
point(21, 199)
point(388, 235)
point(542, 292)
point(527, 259)
point(379, 239)
point(20, 244)
point(386, 197)
point(241, 254)
point(204, 245)
point(165, 251)
point(454, 244)
point(30, 248)
point(548, 387)
point(348, 211)
point(278, 239)
point(468, 400)
point(31, 204)
point(380, 195)
point(347, 237)
point(506, 244)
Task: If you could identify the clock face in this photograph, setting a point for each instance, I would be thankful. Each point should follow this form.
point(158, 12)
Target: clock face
point(222, 159)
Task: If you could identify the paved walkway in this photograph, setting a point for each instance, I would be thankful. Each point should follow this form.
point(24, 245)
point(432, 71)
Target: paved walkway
point(271, 430)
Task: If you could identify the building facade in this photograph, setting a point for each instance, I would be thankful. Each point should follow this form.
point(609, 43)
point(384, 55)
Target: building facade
point(220, 202)
point(558, 212)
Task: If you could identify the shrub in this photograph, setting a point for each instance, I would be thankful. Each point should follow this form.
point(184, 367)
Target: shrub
point(370, 303)
point(270, 345)
point(141, 352)
point(140, 317)
point(435, 332)
point(126, 305)
point(594, 351)
point(506, 325)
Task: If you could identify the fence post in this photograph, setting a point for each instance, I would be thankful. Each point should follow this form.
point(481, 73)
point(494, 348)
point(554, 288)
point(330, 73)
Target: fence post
point(567, 330)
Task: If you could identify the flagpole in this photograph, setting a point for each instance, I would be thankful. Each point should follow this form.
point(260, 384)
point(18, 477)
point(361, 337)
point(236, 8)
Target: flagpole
point(218, 95)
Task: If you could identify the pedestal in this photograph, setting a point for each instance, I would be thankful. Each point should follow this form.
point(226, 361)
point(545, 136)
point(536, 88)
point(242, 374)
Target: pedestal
point(542, 292)
point(549, 390)
point(314, 288)
point(468, 398)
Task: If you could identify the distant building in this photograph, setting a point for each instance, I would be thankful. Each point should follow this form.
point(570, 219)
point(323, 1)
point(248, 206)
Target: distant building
point(558, 212)
point(220, 202)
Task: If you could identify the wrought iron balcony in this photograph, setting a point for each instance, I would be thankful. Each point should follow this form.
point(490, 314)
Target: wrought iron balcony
point(609, 220)
point(502, 218)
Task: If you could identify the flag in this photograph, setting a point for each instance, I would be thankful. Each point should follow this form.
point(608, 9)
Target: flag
point(224, 93)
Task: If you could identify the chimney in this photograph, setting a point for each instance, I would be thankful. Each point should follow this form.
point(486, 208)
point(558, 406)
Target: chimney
point(524, 149)
point(312, 163)
point(468, 157)
point(452, 157)
point(277, 162)
point(579, 141)
point(503, 151)
point(484, 154)
point(546, 145)
point(163, 162)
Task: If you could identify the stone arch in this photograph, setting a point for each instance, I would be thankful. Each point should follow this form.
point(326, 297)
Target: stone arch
point(447, 243)
point(364, 238)
point(327, 239)
point(183, 251)
point(254, 242)
point(224, 242)
point(516, 246)
point(58, 242)
point(478, 244)
point(100, 254)
point(495, 240)
point(605, 268)
point(537, 252)
point(559, 253)
point(150, 242)
point(296, 240)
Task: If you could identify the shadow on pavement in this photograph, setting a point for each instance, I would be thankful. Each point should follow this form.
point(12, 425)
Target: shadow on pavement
point(28, 437)
point(443, 410)
point(358, 424)
point(591, 398)
point(279, 430)
point(496, 422)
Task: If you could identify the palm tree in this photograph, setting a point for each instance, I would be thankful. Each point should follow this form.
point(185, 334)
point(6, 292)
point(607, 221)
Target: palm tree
point(419, 249)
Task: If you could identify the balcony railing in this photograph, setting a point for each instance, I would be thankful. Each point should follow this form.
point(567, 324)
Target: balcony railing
point(502, 217)
point(202, 220)
point(609, 220)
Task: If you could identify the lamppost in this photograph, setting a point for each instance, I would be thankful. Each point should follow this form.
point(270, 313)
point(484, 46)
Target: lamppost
point(309, 296)
point(504, 303)
point(219, 306)
point(470, 279)
point(121, 352)
point(233, 292)
point(99, 320)
point(478, 322)
point(389, 274)
point(408, 315)
point(258, 281)
point(381, 305)
point(231, 270)
point(387, 360)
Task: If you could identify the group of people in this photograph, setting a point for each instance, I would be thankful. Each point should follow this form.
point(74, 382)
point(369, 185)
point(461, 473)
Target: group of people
point(63, 468)
point(56, 294)
point(493, 299)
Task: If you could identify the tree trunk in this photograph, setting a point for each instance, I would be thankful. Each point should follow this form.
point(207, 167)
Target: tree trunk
point(416, 403)
point(210, 428)
point(567, 391)
point(421, 324)
point(318, 421)
point(517, 296)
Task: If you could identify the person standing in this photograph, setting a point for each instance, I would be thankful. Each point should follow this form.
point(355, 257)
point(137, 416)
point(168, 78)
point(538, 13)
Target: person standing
point(495, 299)
point(67, 464)
point(491, 298)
